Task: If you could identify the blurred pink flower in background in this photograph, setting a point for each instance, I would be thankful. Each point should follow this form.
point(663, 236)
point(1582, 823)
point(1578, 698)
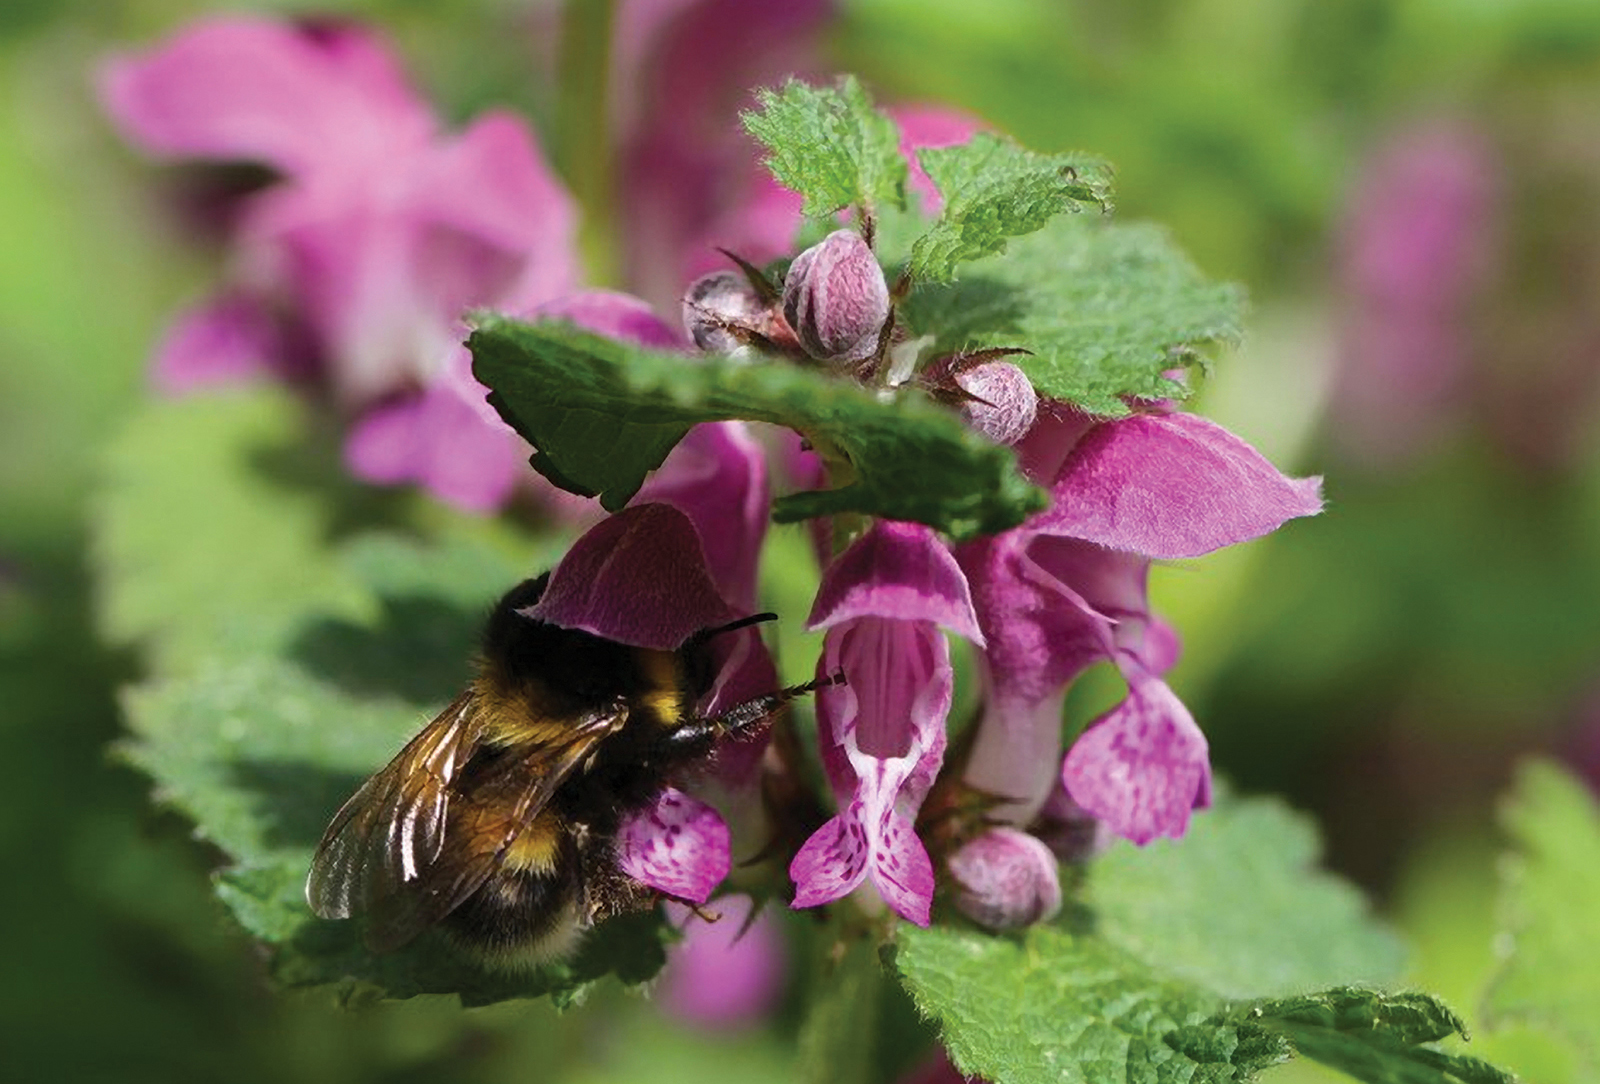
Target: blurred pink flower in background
point(352, 267)
point(691, 178)
point(725, 974)
point(1416, 253)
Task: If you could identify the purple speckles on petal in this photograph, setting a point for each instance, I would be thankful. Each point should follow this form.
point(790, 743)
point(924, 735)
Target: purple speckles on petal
point(1143, 766)
point(680, 847)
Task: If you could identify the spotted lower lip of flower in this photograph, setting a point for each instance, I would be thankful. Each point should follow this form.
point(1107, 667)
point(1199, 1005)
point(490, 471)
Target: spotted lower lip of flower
point(882, 736)
point(680, 846)
point(1142, 767)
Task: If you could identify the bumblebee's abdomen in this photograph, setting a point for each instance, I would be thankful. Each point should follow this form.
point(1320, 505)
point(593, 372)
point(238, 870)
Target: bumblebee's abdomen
point(530, 909)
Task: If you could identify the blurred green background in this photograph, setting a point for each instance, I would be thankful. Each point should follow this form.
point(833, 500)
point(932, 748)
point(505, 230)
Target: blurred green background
point(1383, 667)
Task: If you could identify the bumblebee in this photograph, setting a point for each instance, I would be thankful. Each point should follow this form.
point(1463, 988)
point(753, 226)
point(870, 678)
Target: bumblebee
point(497, 823)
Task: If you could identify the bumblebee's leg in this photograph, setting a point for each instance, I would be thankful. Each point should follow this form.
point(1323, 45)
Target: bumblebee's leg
point(608, 891)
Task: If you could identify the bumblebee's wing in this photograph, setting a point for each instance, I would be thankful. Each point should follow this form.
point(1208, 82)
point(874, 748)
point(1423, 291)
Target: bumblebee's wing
point(392, 828)
point(386, 854)
point(484, 821)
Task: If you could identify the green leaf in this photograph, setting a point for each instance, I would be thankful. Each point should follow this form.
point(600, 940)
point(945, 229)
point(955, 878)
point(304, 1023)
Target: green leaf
point(1106, 309)
point(603, 414)
point(995, 190)
point(1160, 972)
point(1239, 907)
point(830, 145)
point(1376, 1038)
point(1550, 910)
point(292, 646)
point(1052, 1006)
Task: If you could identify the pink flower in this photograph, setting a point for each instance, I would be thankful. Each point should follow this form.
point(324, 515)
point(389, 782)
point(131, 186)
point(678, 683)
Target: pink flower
point(725, 974)
point(692, 179)
point(355, 264)
point(882, 735)
point(1416, 252)
point(1067, 589)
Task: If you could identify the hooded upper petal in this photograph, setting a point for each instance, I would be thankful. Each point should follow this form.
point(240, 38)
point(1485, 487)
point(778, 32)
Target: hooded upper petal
point(638, 577)
point(900, 571)
point(1169, 486)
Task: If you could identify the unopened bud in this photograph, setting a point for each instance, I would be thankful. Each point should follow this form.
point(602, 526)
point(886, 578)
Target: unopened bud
point(1006, 879)
point(836, 299)
point(719, 308)
point(995, 397)
point(1003, 404)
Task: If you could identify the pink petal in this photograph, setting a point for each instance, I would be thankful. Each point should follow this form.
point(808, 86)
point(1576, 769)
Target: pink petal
point(901, 571)
point(680, 847)
point(717, 476)
point(243, 88)
point(1169, 486)
point(493, 184)
point(902, 871)
point(832, 863)
point(1040, 632)
point(614, 315)
point(692, 180)
point(1142, 767)
point(445, 441)
point(638, 577)
point(858, 843)
point(1113, 584)
point(229, 338)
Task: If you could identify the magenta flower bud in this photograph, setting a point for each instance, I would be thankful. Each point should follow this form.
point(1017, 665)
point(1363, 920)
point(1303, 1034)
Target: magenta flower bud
point(994, 397)
point(1006, 879)
point(1003, 404)
point(718, 302)
point(836, 299)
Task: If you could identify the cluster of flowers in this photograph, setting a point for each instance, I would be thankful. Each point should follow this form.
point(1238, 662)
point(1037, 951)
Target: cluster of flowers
point(352, 268)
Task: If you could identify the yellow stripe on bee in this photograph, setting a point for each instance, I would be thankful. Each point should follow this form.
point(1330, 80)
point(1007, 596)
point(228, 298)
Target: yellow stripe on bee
point(537, 847)
point(664, 695)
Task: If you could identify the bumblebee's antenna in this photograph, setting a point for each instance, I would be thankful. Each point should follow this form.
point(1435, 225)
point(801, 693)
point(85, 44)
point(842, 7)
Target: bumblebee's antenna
point(733, 626)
